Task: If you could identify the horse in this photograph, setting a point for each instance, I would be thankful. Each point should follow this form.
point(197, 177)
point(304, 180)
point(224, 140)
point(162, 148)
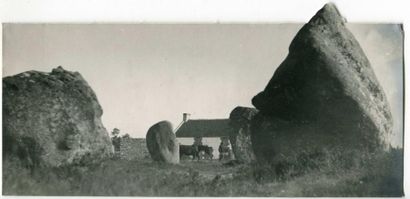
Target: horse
point(207, 150)
point(189, 150)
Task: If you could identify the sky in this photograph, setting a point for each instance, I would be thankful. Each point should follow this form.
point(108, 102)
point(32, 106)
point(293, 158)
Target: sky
point(146, 73)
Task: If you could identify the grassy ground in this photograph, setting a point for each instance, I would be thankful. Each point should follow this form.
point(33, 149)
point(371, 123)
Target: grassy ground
point(380, 177)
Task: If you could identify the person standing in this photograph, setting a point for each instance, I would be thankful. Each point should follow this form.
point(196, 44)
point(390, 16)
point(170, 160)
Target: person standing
point(224, 149)
point(116, 140)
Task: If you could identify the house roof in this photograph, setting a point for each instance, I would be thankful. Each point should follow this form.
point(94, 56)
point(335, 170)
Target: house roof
point(205, 128)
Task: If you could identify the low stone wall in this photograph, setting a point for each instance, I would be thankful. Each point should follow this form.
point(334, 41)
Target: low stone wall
point(133, 149)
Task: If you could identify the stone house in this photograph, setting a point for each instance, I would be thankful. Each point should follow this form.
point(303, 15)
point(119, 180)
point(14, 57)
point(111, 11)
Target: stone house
point(235, 130)
point(209, 130)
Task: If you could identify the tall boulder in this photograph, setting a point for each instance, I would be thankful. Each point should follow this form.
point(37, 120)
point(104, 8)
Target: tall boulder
point(52, 119)
point(240, 137)
point(162, 143)
point(323, 96)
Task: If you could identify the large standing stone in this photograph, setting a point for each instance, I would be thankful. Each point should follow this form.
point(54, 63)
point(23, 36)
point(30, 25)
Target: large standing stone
point(240, 138)
point(323, 96)
point(162, 144)
point(52, 119)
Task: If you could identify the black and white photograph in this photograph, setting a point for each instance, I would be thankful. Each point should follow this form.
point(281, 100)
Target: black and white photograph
point(263, 109)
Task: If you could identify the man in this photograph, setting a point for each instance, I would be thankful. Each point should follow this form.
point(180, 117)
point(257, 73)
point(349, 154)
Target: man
point(224, 150)
point(116, 140)
point(197, 143)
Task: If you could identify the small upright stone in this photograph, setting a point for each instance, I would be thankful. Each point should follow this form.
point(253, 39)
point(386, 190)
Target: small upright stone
point(240, 138)
point(162, 144)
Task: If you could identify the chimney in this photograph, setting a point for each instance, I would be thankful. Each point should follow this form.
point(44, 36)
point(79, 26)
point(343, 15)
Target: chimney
point(185, 117)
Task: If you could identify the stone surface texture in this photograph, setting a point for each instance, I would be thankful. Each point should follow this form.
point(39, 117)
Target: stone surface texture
point(240, 138)
point(323, 96)
point(162, 144)
point(52, 119)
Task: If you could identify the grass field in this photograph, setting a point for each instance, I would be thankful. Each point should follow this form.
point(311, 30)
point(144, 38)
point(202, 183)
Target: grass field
point(380, 177)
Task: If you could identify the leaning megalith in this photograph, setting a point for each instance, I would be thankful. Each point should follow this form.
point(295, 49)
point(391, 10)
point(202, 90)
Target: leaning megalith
point(324, 96)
